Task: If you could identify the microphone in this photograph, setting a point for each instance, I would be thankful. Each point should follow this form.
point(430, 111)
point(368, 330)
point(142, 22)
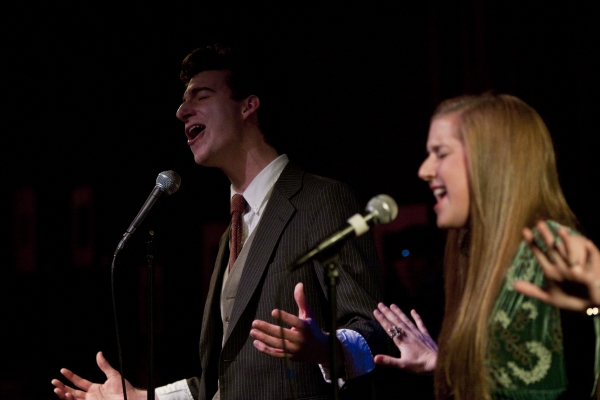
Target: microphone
point(381, 209)
point(167, 183)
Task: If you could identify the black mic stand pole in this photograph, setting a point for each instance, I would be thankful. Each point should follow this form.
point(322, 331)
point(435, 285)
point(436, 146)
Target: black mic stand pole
point(332, 274)
point(150, 251)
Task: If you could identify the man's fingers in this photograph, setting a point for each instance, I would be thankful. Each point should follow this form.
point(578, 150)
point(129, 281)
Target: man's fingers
point(60, 389)
point(271, 335)
point(58, 384)
point(273, 352)
point(267, 340)
point(65, 392)
point(78, 381)
point(304, 311)
point(60, 393)
point(290, 319)
point(105, 366)
point(266, 328)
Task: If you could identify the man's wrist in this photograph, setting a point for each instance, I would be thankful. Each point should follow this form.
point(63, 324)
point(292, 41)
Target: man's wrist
point(141, 394)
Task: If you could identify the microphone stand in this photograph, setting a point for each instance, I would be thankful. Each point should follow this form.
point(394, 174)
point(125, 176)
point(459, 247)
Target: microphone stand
point(150, 251)
point(332, 273)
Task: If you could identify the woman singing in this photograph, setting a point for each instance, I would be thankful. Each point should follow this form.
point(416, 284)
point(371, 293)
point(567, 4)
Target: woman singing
point(492, 170)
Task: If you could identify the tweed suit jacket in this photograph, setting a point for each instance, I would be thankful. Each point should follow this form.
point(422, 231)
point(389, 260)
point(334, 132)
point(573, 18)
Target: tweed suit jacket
point(303, 209)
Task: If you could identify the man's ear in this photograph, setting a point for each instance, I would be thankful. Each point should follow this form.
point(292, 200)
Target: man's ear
point(251, 104)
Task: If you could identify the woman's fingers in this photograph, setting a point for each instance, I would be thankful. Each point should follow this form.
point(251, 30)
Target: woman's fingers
point(419, 322)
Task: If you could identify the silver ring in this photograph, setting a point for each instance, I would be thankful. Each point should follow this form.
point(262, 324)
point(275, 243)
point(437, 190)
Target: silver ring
point(395, 332)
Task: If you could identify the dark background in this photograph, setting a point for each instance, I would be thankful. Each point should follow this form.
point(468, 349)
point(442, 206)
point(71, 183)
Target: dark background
point(89, 94)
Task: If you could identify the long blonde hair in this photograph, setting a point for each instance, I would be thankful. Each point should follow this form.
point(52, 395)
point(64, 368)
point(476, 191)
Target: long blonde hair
point(513, 182)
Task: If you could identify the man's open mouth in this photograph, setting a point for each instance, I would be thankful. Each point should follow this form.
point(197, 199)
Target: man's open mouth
point(194, 131)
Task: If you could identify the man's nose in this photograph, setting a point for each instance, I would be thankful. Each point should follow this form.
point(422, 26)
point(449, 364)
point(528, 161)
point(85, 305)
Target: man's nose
point(184, 112)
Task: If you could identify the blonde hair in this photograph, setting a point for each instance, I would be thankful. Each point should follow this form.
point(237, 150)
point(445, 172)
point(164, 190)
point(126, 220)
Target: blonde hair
point(513, 182)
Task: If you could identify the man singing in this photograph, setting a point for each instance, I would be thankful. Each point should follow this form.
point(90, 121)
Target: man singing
point(283, 213)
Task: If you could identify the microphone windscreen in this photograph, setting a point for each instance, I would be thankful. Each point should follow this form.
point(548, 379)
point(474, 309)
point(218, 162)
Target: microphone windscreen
point(383, 208)
point(168, 181)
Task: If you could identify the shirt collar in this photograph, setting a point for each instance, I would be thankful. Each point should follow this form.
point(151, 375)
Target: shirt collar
point(258, 191)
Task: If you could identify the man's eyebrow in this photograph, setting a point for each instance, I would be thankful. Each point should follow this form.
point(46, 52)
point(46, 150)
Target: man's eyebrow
point(196, 90)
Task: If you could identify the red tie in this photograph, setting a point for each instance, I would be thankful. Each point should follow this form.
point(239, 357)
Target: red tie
point(238, 206)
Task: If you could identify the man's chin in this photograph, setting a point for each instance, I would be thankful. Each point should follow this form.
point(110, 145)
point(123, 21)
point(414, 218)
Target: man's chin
point(201, 159)
point(205, 161)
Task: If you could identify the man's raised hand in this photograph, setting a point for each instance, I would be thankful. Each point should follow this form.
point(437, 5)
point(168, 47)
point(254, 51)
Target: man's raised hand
point(112, 389)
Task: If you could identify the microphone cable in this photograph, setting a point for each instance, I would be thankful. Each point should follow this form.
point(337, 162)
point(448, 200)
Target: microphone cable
point(167, 183)
point(114, 304)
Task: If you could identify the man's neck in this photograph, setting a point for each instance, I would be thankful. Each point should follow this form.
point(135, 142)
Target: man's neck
point(249, 167)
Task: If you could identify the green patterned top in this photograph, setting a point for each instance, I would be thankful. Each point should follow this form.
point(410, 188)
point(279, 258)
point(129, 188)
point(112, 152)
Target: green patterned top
point(526, 358)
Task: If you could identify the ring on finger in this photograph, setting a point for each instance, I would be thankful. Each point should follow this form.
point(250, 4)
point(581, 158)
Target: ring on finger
point(396, 332)
point(574, 264)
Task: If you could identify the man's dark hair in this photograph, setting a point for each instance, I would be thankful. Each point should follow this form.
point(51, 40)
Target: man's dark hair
point(247, 77)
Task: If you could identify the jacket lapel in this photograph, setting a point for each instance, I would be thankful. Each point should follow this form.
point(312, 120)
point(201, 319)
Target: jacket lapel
point(212, 306)
point(277, 214)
